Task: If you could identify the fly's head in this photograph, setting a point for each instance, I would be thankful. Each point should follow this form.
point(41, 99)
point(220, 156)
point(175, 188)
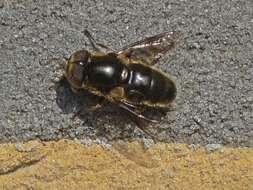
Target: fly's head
point(76, 68)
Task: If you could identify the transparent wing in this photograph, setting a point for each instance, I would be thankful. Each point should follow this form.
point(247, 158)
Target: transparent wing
point(151, 49)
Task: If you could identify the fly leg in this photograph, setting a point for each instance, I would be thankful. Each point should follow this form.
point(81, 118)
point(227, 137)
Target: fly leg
point(99, 104)
point(95, 45)
point(140, 120)
point(142, 125)
point(135, 113)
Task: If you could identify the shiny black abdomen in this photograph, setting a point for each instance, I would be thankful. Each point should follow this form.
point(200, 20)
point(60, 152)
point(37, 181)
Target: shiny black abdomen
point(146, 84)
point(106, 72)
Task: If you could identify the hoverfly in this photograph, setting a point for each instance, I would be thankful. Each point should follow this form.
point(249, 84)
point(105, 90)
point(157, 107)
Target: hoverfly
point(125, 77)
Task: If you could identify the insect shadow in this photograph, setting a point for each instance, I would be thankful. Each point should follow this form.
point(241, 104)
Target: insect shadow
point(109, 121)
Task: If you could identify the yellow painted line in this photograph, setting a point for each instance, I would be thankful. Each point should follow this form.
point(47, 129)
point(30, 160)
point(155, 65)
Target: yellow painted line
point(70, 165)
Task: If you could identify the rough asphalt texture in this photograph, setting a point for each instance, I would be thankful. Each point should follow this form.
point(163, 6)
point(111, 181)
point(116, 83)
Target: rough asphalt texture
point(212, 66)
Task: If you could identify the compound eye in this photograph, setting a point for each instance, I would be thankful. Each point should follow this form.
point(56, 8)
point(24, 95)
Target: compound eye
point(77, 73)
point(78, 70)
point(75, 68)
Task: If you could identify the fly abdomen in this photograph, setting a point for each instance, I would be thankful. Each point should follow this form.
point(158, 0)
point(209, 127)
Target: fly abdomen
point(162, 89)
point(146, 84)
point(138, 83)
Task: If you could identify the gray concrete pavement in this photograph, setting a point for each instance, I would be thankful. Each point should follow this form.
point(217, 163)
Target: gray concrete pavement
point(213, 68)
